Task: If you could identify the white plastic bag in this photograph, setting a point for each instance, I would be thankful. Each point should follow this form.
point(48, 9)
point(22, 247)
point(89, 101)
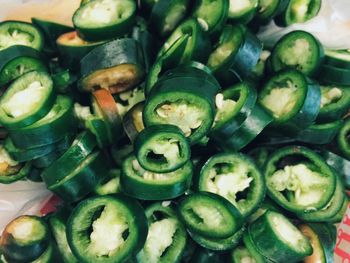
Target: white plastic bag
point(331, 26)
point(22, 197)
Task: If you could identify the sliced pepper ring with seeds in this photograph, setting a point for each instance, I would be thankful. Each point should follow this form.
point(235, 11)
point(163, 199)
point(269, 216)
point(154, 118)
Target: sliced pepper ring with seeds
point(234, 177)
point(18, 60)
point(299, 50)
point(28, 99)
point(292, 99)
point(107, 229)
point(209, 215)
point(20, 33)
point(184, 99)
point(167, 237)
point(104, 19)
point(162, 148)
point(299, 180)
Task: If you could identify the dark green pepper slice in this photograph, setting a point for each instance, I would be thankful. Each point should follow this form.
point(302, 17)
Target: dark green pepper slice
point(212, 15)
point(238, 50)
point(20, 33)
point(171, 243)
point(170, 58)
point(46, 160)
point(344, 139)
point(338, 58)
point(298, 11)
point(320, 133)
point(197, 47)
point(335, 102)
point(226, 49)
point(23, 155)
point(100, 128)
point(299, 50)
point(147, 41)
point(146, 185)
point(340, 215)
point(162, 148)
point(299, 179)
point(82, 146)
point(234, 105)
point(339, 164)
point(185, 99)
point(27, 100)
point(334, 75)
point(72, 49)
point(101, 20)
point(58, 122)
point(331, 209)
point(277, 239)
point(209, 215)
point(24, 239)
point(51, 31)
point(252, 249)
point(256, 122)
point(107, 229)
point(166, 15)
point(234, 177)
point(292, 99)
point(117, 65)
point(82, 180)
point(18, 60)
point(219, 244)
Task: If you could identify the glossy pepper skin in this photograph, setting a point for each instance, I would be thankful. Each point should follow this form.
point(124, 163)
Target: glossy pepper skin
point(115, 206)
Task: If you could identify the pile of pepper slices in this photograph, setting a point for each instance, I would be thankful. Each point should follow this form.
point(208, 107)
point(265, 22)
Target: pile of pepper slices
point(172, 134)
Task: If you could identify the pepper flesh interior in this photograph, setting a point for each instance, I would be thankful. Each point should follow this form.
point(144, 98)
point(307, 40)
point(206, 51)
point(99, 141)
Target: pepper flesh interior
point(245, 256)
point(15, 37)
point(330, 95)
point(239, 7)
point(281, 99)
point(299, 9)
point(228, 180)
point(307, 185)
point(26, 230)
point(159, 238)
point(147, 175)
point(106, 12)
point(168, 148)
point(207, 215)
point(288, 232)
point(23, 101)
point(8, 166)
point(186, 116)
point(224, 108)
point(107, 234)
point(116, 79)
point(296, 53)
point(224, 51)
